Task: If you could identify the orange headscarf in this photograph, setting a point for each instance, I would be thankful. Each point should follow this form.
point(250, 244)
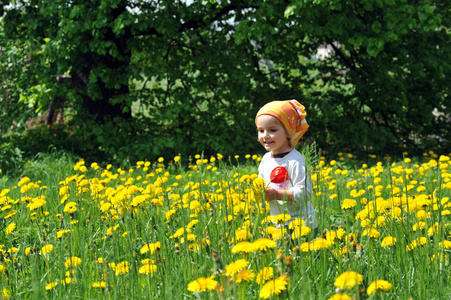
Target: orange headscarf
point(292, 115)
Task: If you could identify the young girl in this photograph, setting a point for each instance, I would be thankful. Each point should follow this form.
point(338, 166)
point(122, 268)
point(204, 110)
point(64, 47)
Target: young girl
point(280, 125)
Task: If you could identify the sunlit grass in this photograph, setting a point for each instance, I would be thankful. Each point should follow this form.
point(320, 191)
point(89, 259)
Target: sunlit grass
point(160, 230)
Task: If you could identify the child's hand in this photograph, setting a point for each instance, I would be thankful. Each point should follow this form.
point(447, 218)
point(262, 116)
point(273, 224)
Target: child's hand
point(270, 194)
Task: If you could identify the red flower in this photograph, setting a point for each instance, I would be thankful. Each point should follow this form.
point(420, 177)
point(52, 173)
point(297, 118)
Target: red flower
point(279, 175)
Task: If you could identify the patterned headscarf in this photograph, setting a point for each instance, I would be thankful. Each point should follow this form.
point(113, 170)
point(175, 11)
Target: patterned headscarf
point(292, 115)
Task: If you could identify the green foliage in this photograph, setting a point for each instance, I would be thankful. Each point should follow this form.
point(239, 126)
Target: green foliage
point(173, 77)
point(11, 159)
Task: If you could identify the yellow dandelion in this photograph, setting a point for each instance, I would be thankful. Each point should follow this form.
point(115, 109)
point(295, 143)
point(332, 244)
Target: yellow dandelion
point(46, 249)
point(36, 203)
point(148, 268)
point(245, 275)
point(388, 241)
point(274, 287)
point(379, 286)
point(265, 274)
point(150, 247)
point(122, 268)
point(73, 262)
point(202, 284)
point(59, 233)
point(340, 296)
point(300, 231)
point(445, 244)
point(281, 218)
point(242, 234)
point(243, 247)
point(319, 244)
point(99, 284)
point(372, 233)
point(5, 292)
point(348, 204)
point(13, 250)
point(68, 280)
point(348, 280)
point(51, 285)
point(178, 233)
point(263, 244)
point(235, 267)
point(296, 223)
point(10, 228)
point(71, 207)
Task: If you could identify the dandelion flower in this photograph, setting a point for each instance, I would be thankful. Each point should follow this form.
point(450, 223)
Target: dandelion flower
point(5, 293)
point(202, 284)
point(296, 223)
point(242, 234)
point(36, 203)
point(13, 250)
point(51, 285)
point(348, 279)
point(348, 204)
point(445, 244)
point(265, 274)
point(99, 284)
point(10, 228)
point(245, 275)
point(379, 286)
point(148, 268)
point(235, 267)
point(150, 247)
point(243, 247)
point(388, 241)
point(263, 244)
point(122, 268)
point(372, 233)
point(300, 231)
point(178, 233)
point(319, 244)
point(2, 268)
point(340, 296)
point(73, 262)
point(71, 207)
point(274, 287)
point(46, 249)
point(68, 280)
point(59, 233)
point(281, 218)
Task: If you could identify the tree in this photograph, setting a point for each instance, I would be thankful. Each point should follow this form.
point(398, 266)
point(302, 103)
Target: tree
point(159, 76)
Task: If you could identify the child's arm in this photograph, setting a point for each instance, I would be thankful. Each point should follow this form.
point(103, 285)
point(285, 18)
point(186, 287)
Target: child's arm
point(273, 194)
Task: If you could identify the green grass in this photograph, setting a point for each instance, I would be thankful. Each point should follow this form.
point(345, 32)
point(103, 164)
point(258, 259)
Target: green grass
point(112, 213)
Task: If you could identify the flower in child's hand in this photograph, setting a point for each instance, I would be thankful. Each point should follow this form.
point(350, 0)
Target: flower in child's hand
point(279, 175)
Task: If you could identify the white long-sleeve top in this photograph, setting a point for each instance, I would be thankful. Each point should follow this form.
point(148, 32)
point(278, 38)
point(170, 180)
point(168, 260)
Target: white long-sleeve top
point(298, 182)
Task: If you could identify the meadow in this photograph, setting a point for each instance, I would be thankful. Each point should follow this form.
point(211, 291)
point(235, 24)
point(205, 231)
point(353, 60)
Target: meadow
point(198, 228)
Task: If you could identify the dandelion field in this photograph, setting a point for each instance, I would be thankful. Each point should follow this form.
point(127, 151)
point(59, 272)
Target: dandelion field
point(162, 230)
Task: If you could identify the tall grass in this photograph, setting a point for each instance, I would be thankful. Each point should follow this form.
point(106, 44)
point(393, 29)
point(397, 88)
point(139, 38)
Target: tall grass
point(159, 230)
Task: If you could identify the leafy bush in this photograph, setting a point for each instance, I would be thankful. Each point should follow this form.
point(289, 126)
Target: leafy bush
point(11, 158)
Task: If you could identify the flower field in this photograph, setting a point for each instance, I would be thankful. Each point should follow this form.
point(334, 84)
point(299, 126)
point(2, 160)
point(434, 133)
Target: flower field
point(161, 230)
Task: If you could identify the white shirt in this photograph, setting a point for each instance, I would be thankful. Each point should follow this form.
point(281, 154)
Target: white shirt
point(297, 182)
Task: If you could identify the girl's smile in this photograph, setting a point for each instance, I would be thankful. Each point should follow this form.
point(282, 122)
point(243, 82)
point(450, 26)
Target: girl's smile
point(272, 135)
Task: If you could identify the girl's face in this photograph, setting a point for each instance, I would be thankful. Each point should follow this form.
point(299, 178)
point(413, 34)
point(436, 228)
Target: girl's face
point(272, 135)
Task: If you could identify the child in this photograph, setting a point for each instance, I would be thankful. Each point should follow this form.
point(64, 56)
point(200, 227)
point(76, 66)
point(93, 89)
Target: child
point(280, 125)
